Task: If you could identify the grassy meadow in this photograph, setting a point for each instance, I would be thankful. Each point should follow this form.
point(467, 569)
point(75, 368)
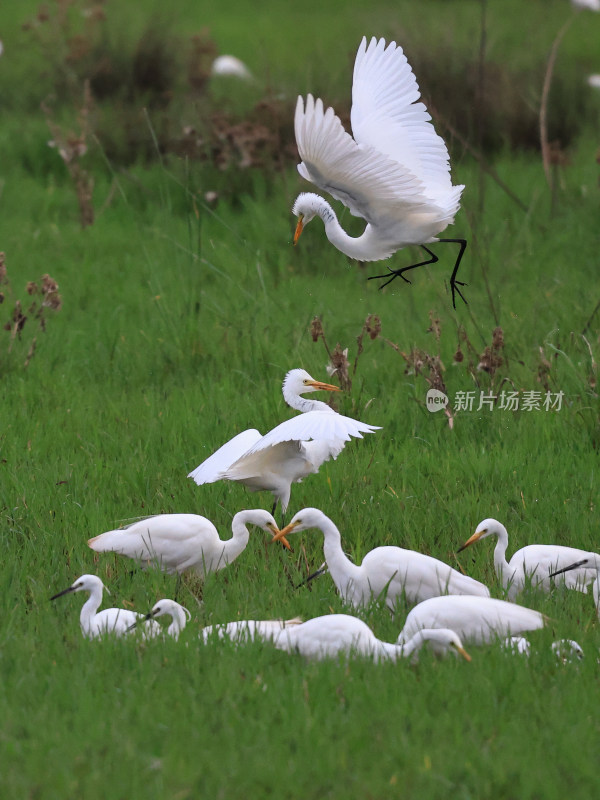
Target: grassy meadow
point(180, 316)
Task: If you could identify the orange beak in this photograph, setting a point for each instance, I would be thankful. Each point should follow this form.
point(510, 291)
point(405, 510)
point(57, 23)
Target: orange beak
point(299, 227)
point(326, 387)
point(475, 538)
point(280, 535)
point(463, 653)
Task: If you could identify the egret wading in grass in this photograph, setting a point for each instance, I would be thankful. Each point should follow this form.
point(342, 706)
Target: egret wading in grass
point(533, 564)
point(245, 630)
point(179, 543)
point(170, 608)
point(113, 621)
point(333, 634)
point(477, 620)
point(394, 173)
point(291, 451)
point(386, 572)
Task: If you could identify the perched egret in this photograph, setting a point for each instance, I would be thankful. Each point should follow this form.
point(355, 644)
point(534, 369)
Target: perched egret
point(245, 630)
point(332, 634)
point(394, 173)
point(178, 543)
point(475, 619)
point(531, 564)
point(386, 572)
point(116, 621)
point(179, 616)
point(289, 452)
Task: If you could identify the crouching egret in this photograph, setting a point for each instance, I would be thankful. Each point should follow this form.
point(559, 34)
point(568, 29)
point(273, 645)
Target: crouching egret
point(476, 620)
point(332, 634)
point(394, 173)
point(170, 608)
point(532, 563)
point(245, 630)
point(289, 452)
point(386, 572)
point(115, 621)
point(178, 543)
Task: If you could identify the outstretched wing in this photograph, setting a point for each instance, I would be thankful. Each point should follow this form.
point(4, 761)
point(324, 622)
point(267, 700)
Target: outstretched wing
point(369, 183)
point(321, 426)
point(213, 468)
point(387, 116)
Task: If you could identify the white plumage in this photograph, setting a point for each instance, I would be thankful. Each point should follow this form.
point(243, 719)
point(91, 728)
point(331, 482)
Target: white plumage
point(170, 608)
point(386, 572)
point(291, 451)
point(534, 563)
point(476, 620)
point(178, 543)
point(330, 635)
point(245, 630)
point(113, 621)
point(394, 173)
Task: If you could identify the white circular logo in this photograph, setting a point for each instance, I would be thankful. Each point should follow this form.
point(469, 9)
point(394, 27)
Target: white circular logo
point(436, 400)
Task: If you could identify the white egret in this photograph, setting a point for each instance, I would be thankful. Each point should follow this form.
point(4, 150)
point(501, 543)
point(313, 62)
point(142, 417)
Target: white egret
point(178, 613)
point(245, 630)
point(332, 634)
point(178, 543)
point(386, 572)
point(115, 621)
point(591, 564)
point(531, 564)
point(476, 620)
point(394, 173)
point(291, 451)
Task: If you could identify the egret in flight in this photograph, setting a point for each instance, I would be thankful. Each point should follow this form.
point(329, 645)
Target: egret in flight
point(394, 173)
point(114, 621)
point(386, 572)
point(532, 563)
point(291, 451)
point(178, 543)
point(477, 620)
point(245, 630)
point(332, 634)
point(179, 616)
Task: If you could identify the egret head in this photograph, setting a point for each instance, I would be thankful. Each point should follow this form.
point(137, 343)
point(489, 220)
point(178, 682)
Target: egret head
point(443, 641)
point(305, 209)
point(86, 583)
point(307, 518)
point(489, 527)
point(298, 381)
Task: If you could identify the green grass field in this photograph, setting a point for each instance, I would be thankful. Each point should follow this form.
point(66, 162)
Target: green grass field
point(179, 321)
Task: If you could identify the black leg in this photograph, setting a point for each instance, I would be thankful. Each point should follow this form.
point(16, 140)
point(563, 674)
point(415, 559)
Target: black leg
point(312, 576)
point(454, 284)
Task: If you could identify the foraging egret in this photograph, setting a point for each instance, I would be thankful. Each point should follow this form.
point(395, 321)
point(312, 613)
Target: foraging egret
point(289, 452)
point(532, 563)
point(96, 623)
point(245, 630)
point(179, 616)
point(178, 543)
point(387, 572)
point(475, 619)
point(591, 564)
point(332, 634)
point(394, 173)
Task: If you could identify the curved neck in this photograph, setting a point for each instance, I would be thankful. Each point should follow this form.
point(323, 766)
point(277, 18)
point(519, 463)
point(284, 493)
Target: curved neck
point(90, 607)
point(178, 622)
point(236, 545)
point(349, 245)
point(303, 404)
point(343, 571)
point(501, 565)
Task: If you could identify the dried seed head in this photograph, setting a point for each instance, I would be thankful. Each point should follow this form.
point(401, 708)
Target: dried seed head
point(32, 287)
point(373, 326)
point(458, 356)
point(316, 329)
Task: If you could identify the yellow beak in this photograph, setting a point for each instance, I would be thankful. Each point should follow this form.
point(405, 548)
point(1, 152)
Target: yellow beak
point(475, 538)
point(464, 653)
point(280, 535)
point(299, 227)
point(326, 387)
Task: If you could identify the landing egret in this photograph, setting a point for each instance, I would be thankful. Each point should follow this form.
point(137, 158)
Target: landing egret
point(394, 173)
point(116, 621)
point(289, 452)
point(332, 634)
point(532, 563)
point(178, 543)
point(386, 572)
point(476, 620)
point(245, 630)
point(591, 564)
point(170, 608)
